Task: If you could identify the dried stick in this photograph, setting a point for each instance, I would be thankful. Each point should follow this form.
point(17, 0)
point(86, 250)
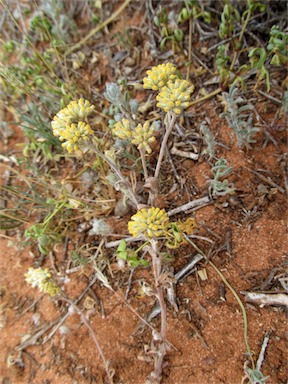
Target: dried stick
point(266, 299)
point(192, 204)
point(98, 28)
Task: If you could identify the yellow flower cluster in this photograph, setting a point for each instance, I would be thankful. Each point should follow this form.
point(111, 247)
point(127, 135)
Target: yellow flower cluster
point(78, 110)
point(175, 96)
point(69, 126)
point(174, 93)
point(159, 76)
point(73, 134)
point(150, 222)
point(41, 278)
point(122, 129)
point(141, 136)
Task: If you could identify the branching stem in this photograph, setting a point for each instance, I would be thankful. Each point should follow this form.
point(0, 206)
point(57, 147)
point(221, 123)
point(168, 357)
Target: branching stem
point(142, 154)
point(157, 268)
point(117, 171)
point(171, 118)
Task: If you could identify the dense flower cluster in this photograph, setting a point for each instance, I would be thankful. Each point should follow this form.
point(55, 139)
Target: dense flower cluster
point(174, 93)
point(150, 222)
point(69, 126)
point(175, 96)
point(159, 76)
point(73, 134)
point(142, 136)
point(41, 278)
point(122, 129)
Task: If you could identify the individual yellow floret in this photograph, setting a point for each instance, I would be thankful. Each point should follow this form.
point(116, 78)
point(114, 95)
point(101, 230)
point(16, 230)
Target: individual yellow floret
point(158, 76)
point(142, 136)
point(41, 278)
point(175, 96)
point(122, 129)
point(150, 222)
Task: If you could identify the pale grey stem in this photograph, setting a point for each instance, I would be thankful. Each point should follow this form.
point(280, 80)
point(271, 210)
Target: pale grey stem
point(262, 352)
point(56, 324)
point(192, 204)
point(117, 171)
point(170, 124)
point(157, 266)
point(142, 153)
point(184, 272)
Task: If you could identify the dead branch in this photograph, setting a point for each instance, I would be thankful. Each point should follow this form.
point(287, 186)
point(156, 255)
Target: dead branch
point(264, 299)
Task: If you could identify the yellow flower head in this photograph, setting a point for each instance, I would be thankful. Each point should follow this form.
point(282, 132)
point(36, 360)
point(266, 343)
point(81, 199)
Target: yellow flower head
point(76, 110)
point(175, 96)
point(41, 278)
point(150, 222)
point(72, 134)
point(142, 136)
point(122, 129)
point(159, 76)
point(58, 125)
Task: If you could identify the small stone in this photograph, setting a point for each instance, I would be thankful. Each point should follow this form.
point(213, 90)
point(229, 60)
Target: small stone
point(121, 208)
point(188, 164)
point(128, 70)
point(129, 62)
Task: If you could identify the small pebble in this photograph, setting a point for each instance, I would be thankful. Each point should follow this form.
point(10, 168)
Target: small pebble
point(129, 62)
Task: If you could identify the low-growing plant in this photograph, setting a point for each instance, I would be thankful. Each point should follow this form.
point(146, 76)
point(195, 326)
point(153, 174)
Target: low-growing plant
point(169, 28)
point(37, 130)
point(42, 233)
point(278, 46)
point(276, 53)
point(229, 16)
point(71, 125)
point(218, 186)
point(130, 255)
point(239, 118)
point(128, 143)
point(208, 140)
